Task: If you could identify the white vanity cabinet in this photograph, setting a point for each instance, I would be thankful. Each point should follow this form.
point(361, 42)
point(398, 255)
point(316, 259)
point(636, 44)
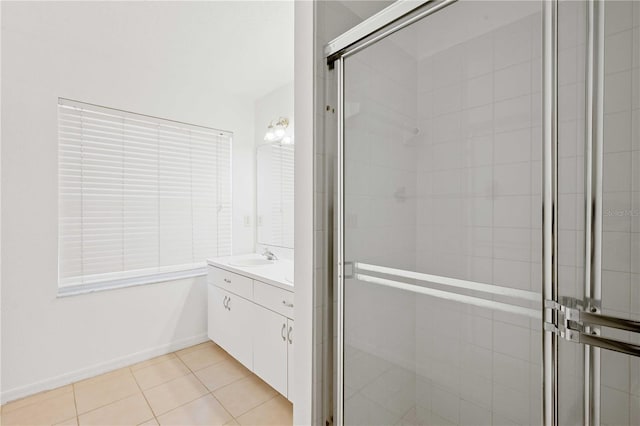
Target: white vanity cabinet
point(253, 322)
point(230, 323)
point(270, 348)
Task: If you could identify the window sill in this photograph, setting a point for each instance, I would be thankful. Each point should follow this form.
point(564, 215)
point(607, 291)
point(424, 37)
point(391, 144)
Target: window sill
point(114, 284)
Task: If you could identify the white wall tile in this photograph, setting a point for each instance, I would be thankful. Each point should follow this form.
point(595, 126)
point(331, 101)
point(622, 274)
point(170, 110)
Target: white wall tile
point(512, 81)
point(618, 51)
point(479, 91)
point(512, 114)
point(512, 147)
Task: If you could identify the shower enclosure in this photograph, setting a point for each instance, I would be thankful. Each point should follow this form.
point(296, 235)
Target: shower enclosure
point(489, 214)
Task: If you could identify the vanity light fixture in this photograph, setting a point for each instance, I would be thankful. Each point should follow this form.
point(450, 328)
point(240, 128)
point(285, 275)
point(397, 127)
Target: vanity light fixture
point(278, 132)
point(270, 135)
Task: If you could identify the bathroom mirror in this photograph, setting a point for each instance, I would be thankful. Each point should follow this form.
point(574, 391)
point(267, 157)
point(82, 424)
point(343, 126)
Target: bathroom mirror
point(275, 194)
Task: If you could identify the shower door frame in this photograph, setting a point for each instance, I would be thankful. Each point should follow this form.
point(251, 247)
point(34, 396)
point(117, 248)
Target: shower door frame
point(405, 12)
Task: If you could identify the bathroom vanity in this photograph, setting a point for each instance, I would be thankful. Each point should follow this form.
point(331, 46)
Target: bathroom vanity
point(251, 315)
point(251, 296)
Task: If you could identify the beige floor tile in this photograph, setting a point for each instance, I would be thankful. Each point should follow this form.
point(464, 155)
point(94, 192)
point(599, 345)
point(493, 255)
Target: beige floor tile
point(47, 412)
point(203, 411)
point(69, 422)
point(277, 411)
point(39, 397)
point(97, 393)
point(152, 361)
point(243, 395)
point(204, 357)
point(197, 347)
point(129, 411)
point(174, 393)
point(161, 372)
point(232, 422)
point(171, 390)
point(221, 374)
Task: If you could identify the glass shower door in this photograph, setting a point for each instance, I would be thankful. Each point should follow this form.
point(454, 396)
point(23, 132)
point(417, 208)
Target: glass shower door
point(620, 264)
point(599, 211)
point(442, 172)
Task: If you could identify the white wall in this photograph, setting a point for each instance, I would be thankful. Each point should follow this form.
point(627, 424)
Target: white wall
point(101, 53)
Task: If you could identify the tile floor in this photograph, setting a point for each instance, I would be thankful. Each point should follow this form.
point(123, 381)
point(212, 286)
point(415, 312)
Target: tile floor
point(200, 385)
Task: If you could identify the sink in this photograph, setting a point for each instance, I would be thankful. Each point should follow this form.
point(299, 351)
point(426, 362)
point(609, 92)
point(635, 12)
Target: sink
point(250, 262)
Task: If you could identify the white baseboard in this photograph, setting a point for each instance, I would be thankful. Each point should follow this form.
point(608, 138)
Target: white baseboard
point(94, 370)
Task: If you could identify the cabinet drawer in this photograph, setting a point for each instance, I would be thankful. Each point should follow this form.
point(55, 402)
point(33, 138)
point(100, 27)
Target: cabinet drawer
point(273, 298)
point(234, 283)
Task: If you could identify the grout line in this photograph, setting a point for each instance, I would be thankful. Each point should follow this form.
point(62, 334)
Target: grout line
point(153, 413)
point(261, 404)
point(75, 403)
point(223, 407)
point(211, 392)
point(112, 402)
point(202, 383)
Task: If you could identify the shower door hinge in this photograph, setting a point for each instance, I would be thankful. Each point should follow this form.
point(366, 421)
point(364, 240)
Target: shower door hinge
point(346, 270)
point(567, 319)
point(581, 322)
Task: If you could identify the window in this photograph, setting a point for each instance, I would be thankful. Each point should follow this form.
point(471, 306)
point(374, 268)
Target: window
point(141, 199)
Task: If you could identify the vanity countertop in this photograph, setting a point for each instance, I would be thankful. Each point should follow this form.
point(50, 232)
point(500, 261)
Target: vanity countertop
point(279, 273)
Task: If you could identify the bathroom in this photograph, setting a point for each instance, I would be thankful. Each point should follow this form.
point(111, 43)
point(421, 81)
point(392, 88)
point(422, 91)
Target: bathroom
point(127, 165)
point(320, 212)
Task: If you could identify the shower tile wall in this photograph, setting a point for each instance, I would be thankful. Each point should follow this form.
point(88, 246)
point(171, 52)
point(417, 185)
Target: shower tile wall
point(620, 390)
point(478, 191)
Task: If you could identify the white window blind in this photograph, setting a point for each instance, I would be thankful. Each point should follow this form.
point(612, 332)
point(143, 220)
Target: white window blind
point(139, 197)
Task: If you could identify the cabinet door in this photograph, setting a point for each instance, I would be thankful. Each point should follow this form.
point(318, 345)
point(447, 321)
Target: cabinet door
point(270, 348)
point(230, 319)
point(218, 317)
point(290, 335)
point(238, 332)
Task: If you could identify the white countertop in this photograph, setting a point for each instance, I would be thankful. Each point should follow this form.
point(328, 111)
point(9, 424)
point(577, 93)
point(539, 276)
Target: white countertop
point(279, 273)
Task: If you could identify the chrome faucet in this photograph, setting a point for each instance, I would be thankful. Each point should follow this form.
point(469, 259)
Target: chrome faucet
point(269, 254)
